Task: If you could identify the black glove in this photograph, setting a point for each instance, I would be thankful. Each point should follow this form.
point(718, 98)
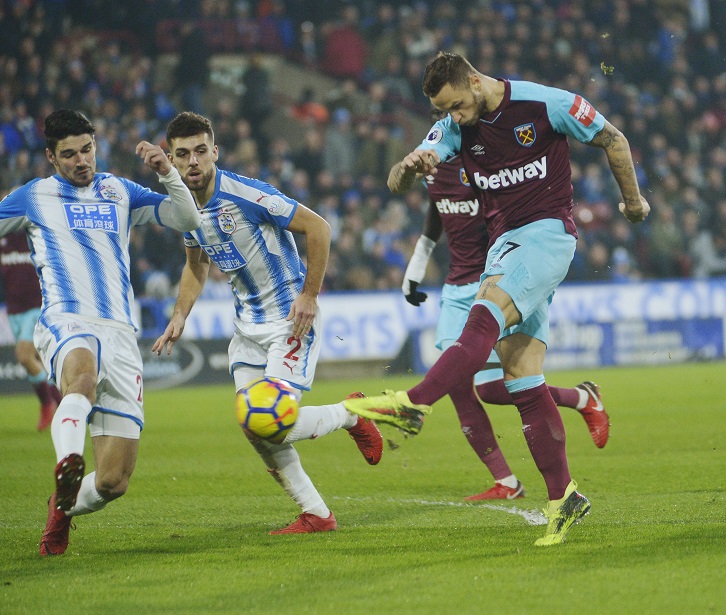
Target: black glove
point(415, 297)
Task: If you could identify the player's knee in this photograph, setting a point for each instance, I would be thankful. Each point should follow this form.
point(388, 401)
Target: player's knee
point(112, 486)
point(83, 384)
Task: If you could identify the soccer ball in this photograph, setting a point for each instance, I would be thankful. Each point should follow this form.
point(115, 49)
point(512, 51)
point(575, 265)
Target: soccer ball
point(268, 408)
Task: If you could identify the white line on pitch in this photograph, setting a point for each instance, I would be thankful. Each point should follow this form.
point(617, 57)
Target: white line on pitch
point(532, 517)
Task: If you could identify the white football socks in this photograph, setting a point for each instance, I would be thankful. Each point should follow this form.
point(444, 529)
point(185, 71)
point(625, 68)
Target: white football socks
point(68, 428)
point(89, 499)
point(584, 397)
point(315, 421)
point(283, 462)
point(509, 481)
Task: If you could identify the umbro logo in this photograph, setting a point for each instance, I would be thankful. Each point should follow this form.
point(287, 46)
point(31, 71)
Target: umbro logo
point(478, 150)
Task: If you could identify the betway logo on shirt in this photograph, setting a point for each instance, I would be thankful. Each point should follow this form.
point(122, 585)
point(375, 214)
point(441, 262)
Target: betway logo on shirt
point(447, 206)
point(511, 177)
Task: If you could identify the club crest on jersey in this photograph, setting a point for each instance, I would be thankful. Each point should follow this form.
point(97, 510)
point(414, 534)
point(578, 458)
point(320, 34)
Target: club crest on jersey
point(109, 193)
point(525, 134)
point(227, 222)
point(463, 177)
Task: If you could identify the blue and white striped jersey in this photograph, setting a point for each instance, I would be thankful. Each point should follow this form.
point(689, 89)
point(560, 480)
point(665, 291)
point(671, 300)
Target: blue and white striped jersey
point(79, 241)
point(244, 232)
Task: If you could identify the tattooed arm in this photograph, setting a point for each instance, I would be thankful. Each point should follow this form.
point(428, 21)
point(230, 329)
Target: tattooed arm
point(404, 174)
point(635, 208)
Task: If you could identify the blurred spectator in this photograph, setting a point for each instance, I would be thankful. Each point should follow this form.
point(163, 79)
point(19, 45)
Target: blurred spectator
point(310, 156)
point(308, 110)
point(623, 267)
point(255, 104)
point(706, 247)
point(394, 80)
point(598, 260)
point(666, 243)
point(244, 153)
point(277, 31)
point(308, 53)
point(339, 153)
point(383, 36)
point(380, 151)
point(345, 48)
point(346, 95)
point(192, 69)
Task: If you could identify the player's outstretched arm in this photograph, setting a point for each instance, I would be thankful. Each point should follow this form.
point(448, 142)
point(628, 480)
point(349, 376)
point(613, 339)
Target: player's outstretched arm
point(154, 157)
point(418, 163)
point(317, 241)
point(193, 277)
point(182, 213)
point(634, 207)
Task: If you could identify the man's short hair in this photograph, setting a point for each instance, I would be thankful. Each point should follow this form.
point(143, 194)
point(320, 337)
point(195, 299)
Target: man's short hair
point(450, 68)
point(64, 123)
point(188, 124)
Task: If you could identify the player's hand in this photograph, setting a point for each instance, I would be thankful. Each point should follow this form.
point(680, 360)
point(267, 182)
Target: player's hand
point(421, 161)
point(302, 313)
point(412, 294)
point(154, 157)
point(635, 211)
point(173, 332)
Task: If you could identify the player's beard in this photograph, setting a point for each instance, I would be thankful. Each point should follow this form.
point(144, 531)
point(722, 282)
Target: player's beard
point(200, 183)
point(483, 109)
point(82, 177)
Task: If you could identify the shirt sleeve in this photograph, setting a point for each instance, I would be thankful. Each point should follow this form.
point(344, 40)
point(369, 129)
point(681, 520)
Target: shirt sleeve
point(177, 211)
point(13, 210)
point(190, 241)
point(572, 115)
point(272, 206)
point(143, 202)
point(444, 138)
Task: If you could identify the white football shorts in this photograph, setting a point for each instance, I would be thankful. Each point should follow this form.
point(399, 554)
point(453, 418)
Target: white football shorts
point(271, 347)
point(118, 410)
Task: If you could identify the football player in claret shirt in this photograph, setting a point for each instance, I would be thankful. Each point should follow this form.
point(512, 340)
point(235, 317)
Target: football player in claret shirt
point(454, 210)
point(512, 137)
point(77, 224)
point(22, 301)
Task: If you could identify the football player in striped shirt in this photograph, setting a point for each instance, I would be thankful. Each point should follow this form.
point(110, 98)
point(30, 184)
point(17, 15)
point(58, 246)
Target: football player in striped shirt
point(77, 223)
point(246, 231)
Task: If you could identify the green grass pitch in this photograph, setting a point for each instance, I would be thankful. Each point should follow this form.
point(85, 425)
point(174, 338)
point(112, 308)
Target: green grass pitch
point(191, 535)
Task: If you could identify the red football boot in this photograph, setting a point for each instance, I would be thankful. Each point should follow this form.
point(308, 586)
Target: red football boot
point(307, 524)
point(367, 437)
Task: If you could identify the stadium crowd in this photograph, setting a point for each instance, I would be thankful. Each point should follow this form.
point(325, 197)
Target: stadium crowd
point(655, 68)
